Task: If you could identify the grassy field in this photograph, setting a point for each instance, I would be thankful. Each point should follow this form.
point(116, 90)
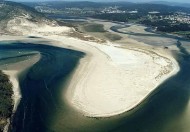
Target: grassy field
point(94, 28)
point(98, 30)
point(6, 101)
point(113, 37)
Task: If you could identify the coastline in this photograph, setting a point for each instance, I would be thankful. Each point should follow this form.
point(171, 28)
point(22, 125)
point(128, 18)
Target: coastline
point(88, 70)
point(13, 73)
point(102, 67)
point(87, 66)
point(13, 78)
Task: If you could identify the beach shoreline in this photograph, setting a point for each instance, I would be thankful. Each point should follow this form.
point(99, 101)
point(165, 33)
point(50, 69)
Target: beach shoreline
point(89, 113)
point(108, 80)
point(93, 50)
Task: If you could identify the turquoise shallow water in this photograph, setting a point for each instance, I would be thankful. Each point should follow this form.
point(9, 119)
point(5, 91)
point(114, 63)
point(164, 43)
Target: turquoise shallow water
point(43, 108)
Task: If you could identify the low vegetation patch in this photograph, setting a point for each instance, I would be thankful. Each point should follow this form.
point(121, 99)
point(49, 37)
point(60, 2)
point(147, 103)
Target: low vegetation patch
point(94, 28)
point(85, 37)
point(113, 37)
point(6, 101)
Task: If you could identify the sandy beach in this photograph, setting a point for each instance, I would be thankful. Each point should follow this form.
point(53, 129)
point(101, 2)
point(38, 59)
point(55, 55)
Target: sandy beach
point(110, 79)
point(115, 80)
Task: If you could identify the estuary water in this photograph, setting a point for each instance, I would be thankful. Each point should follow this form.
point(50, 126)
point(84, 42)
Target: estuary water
point(43, 107)
point(40, 95)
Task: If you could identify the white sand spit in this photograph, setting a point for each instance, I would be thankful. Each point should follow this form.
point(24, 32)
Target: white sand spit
point(114, 83)
point(112, 80)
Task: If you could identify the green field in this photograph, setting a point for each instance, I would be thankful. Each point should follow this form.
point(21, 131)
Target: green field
point(94, 28)
point(113, 37)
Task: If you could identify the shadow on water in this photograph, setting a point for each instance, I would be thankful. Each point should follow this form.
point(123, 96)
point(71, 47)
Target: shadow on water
point(163, 109)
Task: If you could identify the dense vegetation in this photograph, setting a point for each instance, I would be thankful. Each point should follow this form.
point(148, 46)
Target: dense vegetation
point(124, 12)
point(120, 17)
point(161, 6)
point(166, 26)
point(6, 101)
point(144, 8)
